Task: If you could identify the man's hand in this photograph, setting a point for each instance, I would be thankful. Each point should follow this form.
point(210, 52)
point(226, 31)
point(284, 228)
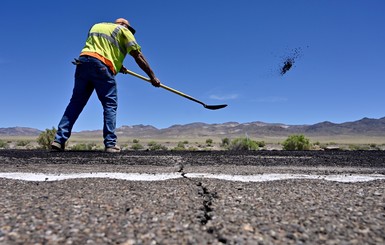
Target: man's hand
point(123, 70)
point(155, 82)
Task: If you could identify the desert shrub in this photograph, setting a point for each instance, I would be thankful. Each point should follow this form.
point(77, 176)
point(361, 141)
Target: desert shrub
point(22, 143)
point(225, 142)
point(374, 147)
point(209, 142)
point(135, 141)
point(323, 146)
point(181, 146)
point(82, 147)
point(243, 144)
point(354, 147)
point(3, 144)
point(296, 142)
point(261, 144)
point(137, 147)
point(46, 138)
point(153, 146)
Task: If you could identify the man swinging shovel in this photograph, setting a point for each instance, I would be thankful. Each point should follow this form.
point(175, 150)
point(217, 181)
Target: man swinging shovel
point(100, 60)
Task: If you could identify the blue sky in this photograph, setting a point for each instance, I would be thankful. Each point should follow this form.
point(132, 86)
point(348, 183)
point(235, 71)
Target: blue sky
point(220, 52)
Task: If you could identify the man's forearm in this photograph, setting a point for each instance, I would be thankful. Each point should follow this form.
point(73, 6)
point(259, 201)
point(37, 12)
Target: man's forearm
point(143, 64)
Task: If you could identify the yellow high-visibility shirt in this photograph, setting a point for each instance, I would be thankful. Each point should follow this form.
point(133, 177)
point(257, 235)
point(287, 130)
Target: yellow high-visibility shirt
point(110, 43)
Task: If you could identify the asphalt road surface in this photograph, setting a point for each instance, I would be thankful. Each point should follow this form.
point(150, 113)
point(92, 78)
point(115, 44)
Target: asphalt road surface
point(263, 197)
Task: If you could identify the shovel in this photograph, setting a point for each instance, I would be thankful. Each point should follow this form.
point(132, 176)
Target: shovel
point(211, 107)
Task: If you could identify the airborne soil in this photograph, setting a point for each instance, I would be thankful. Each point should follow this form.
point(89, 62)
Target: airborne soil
point(190, 210)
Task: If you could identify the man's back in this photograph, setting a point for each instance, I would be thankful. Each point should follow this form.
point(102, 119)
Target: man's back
point(110, 43)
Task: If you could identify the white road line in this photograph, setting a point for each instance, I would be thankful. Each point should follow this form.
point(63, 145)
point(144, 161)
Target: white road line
point(348, 178)
point(274, 177)
point(122, 176)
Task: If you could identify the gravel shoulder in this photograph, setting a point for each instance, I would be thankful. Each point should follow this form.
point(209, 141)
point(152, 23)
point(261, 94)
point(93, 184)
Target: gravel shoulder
point(192, 211)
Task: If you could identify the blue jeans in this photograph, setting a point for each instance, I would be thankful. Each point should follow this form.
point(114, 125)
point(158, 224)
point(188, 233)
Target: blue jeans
point(91, 75)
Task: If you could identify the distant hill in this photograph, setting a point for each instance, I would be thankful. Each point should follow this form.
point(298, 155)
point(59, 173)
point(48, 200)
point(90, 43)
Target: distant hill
point(19, 131)
point(364, 127)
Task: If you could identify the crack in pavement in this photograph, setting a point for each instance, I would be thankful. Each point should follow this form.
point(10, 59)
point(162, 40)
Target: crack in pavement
point(207, 206)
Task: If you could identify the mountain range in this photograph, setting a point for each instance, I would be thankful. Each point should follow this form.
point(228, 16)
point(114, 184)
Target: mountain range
point(365, 127)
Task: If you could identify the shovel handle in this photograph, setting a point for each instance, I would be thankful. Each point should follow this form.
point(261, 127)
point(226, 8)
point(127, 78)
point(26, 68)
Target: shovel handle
point(211, 107)
point(165, 87)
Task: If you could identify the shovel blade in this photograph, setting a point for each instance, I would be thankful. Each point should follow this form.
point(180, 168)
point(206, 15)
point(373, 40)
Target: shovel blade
point(214, 107)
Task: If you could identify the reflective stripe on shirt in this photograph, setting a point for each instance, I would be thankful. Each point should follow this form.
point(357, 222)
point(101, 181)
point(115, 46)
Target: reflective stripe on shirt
point(130, 44)
point(112, 39)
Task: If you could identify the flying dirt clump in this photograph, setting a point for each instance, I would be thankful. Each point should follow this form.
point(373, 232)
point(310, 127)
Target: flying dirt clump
point(287, 65)
point(290, 60)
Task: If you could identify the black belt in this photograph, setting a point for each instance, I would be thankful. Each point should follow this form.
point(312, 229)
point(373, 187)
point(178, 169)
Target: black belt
point(76, 62)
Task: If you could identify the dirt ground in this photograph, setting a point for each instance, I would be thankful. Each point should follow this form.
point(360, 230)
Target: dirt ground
point(195, 210)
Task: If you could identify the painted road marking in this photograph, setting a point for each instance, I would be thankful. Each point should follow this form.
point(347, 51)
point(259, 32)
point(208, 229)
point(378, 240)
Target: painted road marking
point(347, 178)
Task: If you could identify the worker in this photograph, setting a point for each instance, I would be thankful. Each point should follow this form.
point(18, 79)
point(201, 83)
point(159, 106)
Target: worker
point(99, 62)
